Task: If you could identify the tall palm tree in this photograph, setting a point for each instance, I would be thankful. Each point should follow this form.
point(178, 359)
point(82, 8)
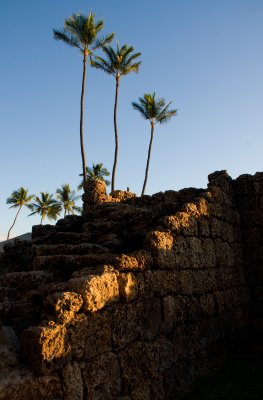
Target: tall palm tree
point(96, 173)
point(155, 111)
point(18, 199)
point(117, 63)
point(67, 198)
point(81, 32)
point(46, 206)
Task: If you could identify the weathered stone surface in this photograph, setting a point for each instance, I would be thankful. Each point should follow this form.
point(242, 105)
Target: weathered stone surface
point(90, 335)
point(22, 385)
point(46, 348)
point(159, 282)
point(134, 295)
point(127, 286)
point(25, 280)
point(42, 231)
point(126, 320)
point(9, 349)
point(139, 260)
point(96, 290)
point(102, 378)
point(57, 249)
point(63, 306)
point(122, 194)
point(182, 222)
point(160, 243)
point(72, 382)
point(134, 366)
point(207, 305)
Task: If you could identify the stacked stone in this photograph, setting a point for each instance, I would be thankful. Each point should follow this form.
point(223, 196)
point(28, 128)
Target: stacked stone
point(249, 189)
point(121, 320)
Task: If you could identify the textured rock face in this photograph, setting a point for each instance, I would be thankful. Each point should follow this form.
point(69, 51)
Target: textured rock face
point(130, 300)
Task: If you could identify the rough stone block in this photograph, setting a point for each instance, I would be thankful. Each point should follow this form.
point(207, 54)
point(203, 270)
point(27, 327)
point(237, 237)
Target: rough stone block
point(63, 305)
point(139, 260)
point(150, 321)
point(203, 227)
point(25, 280)
point(102, 377)
point(126, 322)
point(205, 281)
point(207, 305)
point(224, 254)
point(127, 286)
point(72, 382)
point(181, 253)
point(179, 310)
point(187, 283)
point(135, 371)
point(216, 227)
point(160, 243)
point(46, 348)
point(209, 255)
point(22, 385)
point(195, 252)
point(97, 291)
point(90, 335)
point(181, 222)
point(161, 283)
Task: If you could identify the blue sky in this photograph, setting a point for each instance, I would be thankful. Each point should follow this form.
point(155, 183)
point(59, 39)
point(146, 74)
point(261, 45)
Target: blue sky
point(206, 56)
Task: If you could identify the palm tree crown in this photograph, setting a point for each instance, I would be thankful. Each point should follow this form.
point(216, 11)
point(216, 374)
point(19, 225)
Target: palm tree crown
point(46, 206)
point(18, 199)
point(81, 32)
point(118, 62)
point(67, 198)
point(96, 173)
point(156, 112)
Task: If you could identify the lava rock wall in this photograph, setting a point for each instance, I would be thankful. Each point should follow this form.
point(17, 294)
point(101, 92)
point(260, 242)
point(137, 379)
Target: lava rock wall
point(135, 299)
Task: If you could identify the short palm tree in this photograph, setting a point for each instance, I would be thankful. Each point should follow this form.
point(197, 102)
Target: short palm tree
point(96, 173)
point(18, 199)
point(81, 32)
point(117, 63)
point(46, 206)
point(155, 111)
point(67, 199)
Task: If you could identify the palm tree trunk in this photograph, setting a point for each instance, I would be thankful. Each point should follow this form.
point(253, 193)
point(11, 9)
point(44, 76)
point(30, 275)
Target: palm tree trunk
point(148, 159)
point(116, 135)
point(82, 118)
point(13, 222)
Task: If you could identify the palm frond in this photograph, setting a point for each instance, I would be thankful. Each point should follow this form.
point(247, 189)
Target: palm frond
point(141, 109)
point(99, 43)
point(94, 173)
point(102, 64)
point(118, 62)
point(131, 68)
point(166, 114)
point(154, 109)
point(19, 198)
point(132, 58)
point(46, 206)
point(66, 37)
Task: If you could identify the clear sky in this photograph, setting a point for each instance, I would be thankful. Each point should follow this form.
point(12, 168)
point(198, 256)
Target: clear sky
point(204, 55)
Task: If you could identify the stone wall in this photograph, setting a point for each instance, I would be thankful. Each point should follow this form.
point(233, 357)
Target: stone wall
point(135, 299)
point(249, 191)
